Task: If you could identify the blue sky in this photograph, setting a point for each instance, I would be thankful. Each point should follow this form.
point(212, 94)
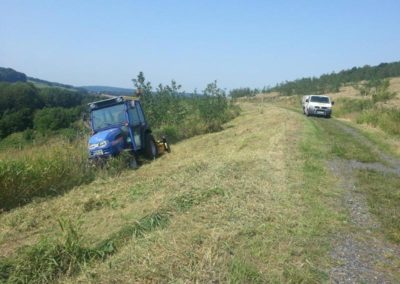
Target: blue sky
point(237, 43)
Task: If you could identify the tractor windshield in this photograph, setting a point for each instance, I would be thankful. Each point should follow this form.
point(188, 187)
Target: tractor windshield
point(109, 116)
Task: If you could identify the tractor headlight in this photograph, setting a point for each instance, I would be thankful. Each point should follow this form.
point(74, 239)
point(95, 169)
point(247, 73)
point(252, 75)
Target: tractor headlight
point(103, 143)
point(92, 146)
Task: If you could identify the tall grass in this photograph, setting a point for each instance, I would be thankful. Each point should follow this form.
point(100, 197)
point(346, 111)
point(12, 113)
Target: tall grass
point(369, 109)
point(40, 171)
point(49, 259)
point(387, 119)
point(345, 106)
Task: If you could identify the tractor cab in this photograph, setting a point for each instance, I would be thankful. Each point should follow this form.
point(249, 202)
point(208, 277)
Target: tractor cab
point(119, 124)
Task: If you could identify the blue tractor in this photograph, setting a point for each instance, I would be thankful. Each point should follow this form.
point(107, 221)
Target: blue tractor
point(119, 124)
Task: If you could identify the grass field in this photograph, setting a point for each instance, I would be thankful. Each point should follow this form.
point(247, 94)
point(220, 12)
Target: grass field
point(253, 203)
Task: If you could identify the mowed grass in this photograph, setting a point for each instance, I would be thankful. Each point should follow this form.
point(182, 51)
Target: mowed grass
point(252, 203)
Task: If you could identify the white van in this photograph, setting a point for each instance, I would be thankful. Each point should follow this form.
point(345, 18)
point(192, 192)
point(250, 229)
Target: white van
point(317, 105)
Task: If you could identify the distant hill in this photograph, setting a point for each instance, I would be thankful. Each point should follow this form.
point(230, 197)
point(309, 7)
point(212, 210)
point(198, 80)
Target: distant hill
point(332, 82)
point(39, 83)
point(11, 76)
point(109, 90)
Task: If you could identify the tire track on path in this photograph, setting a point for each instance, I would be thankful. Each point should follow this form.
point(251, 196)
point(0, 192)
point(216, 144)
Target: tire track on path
point(363, 253)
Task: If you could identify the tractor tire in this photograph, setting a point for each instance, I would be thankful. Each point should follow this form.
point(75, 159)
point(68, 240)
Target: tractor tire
point(151, 150)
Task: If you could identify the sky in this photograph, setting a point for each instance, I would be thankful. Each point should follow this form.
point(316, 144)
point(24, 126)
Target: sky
point(194, 42)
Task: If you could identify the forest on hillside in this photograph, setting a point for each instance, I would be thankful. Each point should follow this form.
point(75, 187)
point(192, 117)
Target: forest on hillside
point(23, 106)
point(332, 82)
point(12, 76)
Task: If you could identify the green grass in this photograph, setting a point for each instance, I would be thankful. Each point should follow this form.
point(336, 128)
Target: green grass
point(49, 259)
point(208, 212)
point(386, 119)
point(241, 272)
point(344, 144)
point(345, 106)
point(42, 171)
point(383, 196)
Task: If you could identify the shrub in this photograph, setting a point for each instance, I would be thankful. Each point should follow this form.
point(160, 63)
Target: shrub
point(181, 116)
point(50, 119)
point(15, 121)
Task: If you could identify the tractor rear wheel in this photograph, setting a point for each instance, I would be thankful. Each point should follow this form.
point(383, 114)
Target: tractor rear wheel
point(151, 150)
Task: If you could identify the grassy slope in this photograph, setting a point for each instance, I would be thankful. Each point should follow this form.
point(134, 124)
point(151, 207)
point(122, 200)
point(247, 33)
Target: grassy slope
point(253, 203)
point(250, 203)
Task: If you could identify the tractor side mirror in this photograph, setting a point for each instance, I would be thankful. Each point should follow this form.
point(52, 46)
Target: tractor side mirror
point(306, 100)
point(333, 102)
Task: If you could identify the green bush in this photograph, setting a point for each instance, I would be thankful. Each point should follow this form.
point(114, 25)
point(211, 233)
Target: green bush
point(180, 116)
point(15, 121)
point(50, 119)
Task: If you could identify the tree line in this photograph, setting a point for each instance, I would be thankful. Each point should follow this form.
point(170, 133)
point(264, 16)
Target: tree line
point(332, 82)
point(23, 106)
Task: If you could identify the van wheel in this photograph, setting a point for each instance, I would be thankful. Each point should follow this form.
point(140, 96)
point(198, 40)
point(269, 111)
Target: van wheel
point(151, 150)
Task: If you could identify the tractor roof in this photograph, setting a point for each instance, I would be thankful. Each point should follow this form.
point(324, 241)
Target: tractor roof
point(110, 102)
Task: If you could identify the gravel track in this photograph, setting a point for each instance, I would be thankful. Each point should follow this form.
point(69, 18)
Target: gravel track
point(362, 254)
